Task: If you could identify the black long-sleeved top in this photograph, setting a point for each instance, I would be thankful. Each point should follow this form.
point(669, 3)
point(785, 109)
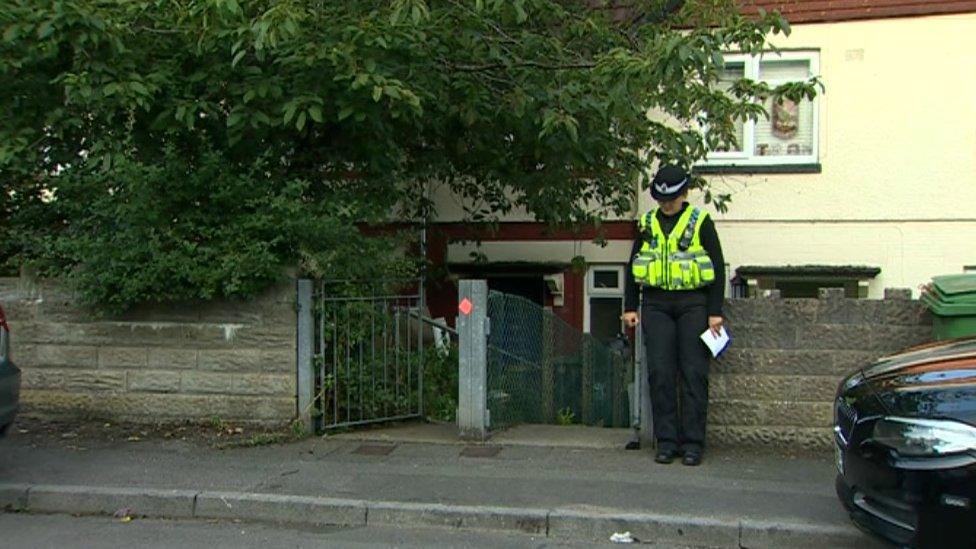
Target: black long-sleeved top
point(709, 240)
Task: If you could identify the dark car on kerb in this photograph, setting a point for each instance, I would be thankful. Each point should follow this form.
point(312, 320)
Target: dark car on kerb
point(905, 430)
point(9, 379)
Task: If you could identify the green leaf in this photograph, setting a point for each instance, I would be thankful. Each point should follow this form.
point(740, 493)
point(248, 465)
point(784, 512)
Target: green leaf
point(520, 15)
point(261, 118)
point(571, 126)
point(377, 93)
point(346, 112)
point(290, 111)
point(237, 58)
point(45, 30)
point(290, 26)
point(396, 13)
point(11, 34)
point(316, 113)
point(785, 26)
point(300, 122)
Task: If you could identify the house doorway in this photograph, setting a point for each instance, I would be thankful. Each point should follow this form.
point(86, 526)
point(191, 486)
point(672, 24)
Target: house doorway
point(531, 287)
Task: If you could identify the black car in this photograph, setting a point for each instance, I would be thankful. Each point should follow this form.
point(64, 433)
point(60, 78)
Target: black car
point(9, 379)
point(905, 429)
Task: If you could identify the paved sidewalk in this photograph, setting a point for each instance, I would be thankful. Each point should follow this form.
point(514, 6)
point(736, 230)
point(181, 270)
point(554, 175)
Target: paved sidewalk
point(541, 482)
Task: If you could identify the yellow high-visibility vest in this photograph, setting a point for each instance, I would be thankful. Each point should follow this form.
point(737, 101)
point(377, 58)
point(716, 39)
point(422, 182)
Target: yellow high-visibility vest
point(676, 261)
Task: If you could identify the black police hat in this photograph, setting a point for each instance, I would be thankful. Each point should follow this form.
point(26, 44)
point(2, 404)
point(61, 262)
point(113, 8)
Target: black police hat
point(669, 182)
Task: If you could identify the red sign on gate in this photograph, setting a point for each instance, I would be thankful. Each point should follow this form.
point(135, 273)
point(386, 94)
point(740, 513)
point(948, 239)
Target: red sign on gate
point(465, 306)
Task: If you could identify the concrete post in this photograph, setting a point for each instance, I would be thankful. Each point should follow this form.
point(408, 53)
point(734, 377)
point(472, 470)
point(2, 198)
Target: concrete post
point(306, 340)
point(473, 328)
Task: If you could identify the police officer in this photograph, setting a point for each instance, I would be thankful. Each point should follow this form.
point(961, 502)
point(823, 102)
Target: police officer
point(677, 266)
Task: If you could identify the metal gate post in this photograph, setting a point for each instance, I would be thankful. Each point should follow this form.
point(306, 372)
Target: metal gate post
point(645, 429)
point(306, 379)
point(472, 328)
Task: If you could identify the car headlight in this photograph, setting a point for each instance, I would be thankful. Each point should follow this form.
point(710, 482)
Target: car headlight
point(924, 437)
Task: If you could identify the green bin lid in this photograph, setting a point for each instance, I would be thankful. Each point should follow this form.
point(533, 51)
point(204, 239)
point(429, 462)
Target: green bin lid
point(955, 285)
point(941, 308)
point(939, 295)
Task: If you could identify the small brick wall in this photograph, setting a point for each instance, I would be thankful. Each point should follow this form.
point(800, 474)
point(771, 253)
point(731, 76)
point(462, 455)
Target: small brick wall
point(776, 384)
point(232, 360)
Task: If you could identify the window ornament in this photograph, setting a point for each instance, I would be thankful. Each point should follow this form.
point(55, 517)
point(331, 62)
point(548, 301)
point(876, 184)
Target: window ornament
point(786, 116)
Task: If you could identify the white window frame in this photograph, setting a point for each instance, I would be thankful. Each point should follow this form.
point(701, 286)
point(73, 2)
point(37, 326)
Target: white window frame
point(593, 291)
point(747, 156)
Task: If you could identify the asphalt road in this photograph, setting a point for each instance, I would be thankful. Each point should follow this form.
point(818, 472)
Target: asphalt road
point(67, 532)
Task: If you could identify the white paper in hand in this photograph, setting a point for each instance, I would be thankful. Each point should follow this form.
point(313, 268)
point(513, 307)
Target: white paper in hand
point(716, 345)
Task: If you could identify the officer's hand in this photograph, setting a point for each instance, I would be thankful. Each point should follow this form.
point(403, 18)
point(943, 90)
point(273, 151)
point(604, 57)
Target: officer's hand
point(630, 319)
point(714, 324)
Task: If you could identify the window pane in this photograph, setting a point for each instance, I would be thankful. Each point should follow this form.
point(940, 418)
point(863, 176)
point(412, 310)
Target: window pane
point(605, 317)
point(728, 76)
point(789, 129)
point(606, 279)
point(786, 71)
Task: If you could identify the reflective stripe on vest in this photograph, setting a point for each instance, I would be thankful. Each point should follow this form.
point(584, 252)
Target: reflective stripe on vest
point(676, 261)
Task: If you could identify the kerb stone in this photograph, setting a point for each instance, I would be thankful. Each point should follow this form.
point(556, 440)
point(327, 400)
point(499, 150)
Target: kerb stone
point(13, 497)
point(98, 500)
point(773, 535)
point(281, 508)
point(663, 529)
point(532, 521)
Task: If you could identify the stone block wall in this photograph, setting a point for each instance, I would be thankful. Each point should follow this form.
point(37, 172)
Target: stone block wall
point(232, 360)
point(236, 360)
point(776, 383)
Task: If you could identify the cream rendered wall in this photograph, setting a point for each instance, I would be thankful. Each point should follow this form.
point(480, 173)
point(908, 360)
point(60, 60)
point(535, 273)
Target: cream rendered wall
point(898, 151)
point(898, 155)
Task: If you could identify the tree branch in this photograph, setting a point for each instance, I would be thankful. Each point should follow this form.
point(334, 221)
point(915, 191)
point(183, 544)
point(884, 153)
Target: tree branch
point(519, 65)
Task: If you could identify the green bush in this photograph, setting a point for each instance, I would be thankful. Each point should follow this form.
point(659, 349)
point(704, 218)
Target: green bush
point(189, 227)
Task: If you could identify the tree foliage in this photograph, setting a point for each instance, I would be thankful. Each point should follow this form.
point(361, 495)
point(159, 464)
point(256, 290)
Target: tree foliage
point(173, 149)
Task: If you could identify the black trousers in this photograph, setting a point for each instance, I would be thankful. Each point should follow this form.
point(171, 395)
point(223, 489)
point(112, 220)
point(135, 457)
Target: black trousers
point(677, 360)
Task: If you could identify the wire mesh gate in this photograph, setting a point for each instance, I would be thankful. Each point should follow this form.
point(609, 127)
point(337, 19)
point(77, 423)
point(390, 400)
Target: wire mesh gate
point(542, 370)
point(368, 352)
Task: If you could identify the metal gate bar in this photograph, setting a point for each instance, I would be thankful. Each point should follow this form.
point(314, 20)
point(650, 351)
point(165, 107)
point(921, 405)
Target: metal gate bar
point(368, 367)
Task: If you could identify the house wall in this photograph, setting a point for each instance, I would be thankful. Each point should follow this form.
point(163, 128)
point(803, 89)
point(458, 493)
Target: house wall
point(898, 156)
point(897, 145)
point(232, 360)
